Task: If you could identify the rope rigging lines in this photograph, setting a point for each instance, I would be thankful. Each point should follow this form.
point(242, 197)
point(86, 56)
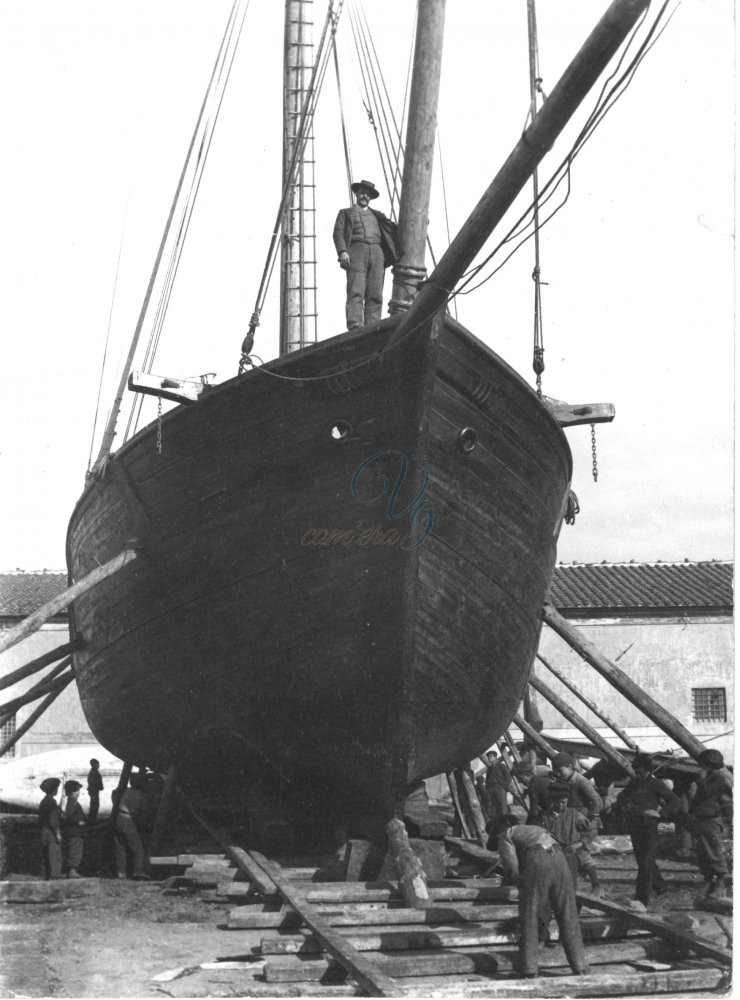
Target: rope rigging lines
point(613, 89)
point(180, 213)
point(304, 130)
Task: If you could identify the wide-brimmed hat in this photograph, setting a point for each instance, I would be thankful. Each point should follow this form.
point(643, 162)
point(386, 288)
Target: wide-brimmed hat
point(49, 786)
point(369, 186)
point(71, 786)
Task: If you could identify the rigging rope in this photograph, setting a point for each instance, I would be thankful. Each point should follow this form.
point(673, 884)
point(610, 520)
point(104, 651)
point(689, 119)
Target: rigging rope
point(604, 104)
point(105, 349)
point(535, 87)
point(345, 139)
point(110, 430)
point(232, 36)
point(321, 63)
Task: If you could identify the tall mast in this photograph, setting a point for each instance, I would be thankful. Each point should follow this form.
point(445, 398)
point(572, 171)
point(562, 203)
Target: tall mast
point(413, 219)
point(298, 246)
point(582, 73)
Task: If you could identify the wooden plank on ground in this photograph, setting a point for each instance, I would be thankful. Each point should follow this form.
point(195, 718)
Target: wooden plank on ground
point(481, 890)
point(483, 961)
point(358, 966)
point(703, 947)
point(251, 917)
point(706, 979)
point(413, 937)
point(721, 905)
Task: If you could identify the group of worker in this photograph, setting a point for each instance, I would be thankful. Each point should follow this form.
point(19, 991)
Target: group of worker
point(546, 838)
point(64, 830)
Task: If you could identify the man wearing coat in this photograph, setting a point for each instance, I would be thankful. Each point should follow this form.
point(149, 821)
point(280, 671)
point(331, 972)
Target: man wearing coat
point(366, 243)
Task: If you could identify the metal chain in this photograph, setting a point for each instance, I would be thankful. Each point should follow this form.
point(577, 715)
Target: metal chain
point(159, 425)
point(594, 466)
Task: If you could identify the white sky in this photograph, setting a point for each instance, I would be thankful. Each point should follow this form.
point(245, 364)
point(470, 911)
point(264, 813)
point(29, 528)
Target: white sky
point(99, 102)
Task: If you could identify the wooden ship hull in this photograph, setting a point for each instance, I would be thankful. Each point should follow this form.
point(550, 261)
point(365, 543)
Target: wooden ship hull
point(264, 633)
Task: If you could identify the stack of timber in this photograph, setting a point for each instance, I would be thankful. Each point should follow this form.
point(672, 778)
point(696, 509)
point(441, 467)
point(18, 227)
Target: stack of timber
point(361, 938)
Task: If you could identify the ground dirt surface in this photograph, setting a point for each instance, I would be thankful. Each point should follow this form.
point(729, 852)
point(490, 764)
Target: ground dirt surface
point(116, 935)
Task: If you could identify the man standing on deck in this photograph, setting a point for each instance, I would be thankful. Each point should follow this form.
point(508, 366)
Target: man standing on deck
point(367, 243)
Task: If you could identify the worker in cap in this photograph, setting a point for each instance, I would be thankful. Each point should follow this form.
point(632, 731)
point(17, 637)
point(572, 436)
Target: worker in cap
point(562, 760)
point(644, 802)
point(366, 242)
point(711, 758)
point(582, 796)
point(497, 786)
point(709, 811)
point(536, 789)
point(94, 788)
point(565, 824)
point(533, 860)
point(74, 828)
point(50, 826)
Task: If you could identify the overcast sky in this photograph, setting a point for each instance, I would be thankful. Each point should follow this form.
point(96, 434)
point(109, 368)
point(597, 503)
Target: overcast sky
point(99, 105)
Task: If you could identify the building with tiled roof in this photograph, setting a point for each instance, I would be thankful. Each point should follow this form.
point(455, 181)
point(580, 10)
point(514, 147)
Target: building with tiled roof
point(22, 593)
point(663, 588)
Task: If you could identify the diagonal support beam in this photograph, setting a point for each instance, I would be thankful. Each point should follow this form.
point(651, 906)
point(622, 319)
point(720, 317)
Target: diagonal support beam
point(624, 684)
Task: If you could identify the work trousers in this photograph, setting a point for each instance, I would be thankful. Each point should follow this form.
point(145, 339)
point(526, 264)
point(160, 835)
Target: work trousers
point(51, 851)
point(73, 849)
point(644, 833)
point(127, 841)
point(364, 284)
point(92, 812)
point(546, 887)
point(710, 853)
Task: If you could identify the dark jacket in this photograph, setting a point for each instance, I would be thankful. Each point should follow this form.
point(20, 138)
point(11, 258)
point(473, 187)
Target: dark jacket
point(642, 794)
point(392, 249)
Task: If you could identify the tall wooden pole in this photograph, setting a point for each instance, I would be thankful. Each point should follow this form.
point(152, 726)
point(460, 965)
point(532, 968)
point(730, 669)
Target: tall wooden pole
point(535, 737)
point(563, 101)
point(36, 714)
point(598, 712)
point(298, 246)
point(413, 218)
point(35, 620)
point(624, 684)
point(580, 723)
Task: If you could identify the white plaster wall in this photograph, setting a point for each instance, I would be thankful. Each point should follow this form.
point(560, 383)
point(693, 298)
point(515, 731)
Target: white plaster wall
point(666, 658)
point(63, 723)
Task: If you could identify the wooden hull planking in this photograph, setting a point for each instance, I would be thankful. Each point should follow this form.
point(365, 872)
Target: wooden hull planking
point(239, 644)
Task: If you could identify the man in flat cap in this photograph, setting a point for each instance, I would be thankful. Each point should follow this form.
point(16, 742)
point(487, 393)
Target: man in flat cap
point(533, 860)
point(644, 802)
point(74, 827)
point(366, 242)
point(50, 824)
point(710, 808)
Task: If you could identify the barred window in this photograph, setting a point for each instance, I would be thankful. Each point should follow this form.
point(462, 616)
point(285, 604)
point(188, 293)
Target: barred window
point(6, 731)
point(710, 704)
